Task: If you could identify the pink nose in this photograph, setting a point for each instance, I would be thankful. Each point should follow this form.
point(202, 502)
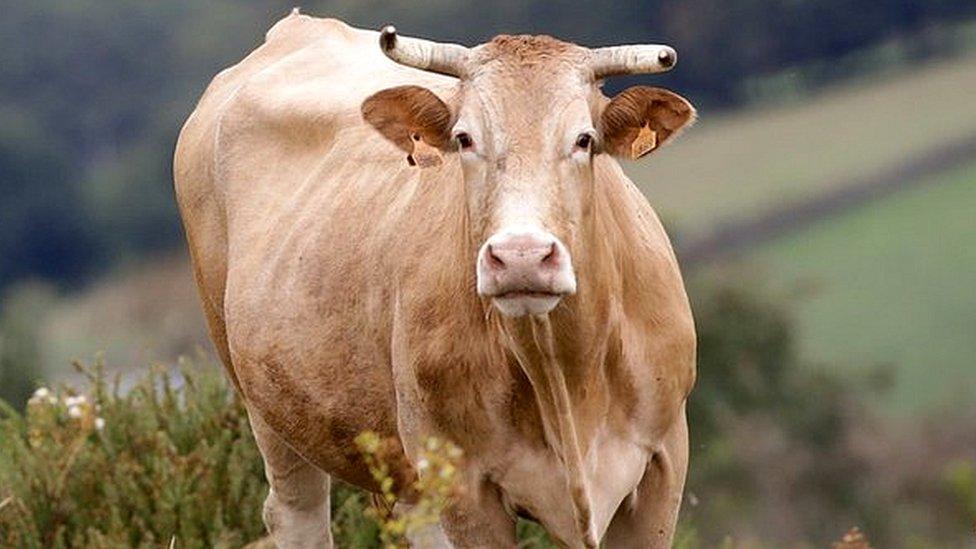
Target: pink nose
point(522, 254)
point(525, 262)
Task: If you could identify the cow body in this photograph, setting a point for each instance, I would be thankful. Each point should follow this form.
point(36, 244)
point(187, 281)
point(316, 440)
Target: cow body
point(338, 284)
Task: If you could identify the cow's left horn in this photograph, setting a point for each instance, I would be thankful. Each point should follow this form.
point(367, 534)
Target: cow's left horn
point(643, 59)
point(449, 59)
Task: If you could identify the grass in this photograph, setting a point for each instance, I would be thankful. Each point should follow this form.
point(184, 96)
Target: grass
point(891, 283)
point(736, 166)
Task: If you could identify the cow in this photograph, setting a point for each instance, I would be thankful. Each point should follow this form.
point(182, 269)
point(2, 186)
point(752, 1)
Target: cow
point(422, 239)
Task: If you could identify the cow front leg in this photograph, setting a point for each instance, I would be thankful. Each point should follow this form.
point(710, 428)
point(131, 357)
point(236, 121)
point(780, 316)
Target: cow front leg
point(647, 518)
point(296, 511)
point(428, 536)
point(477, 519)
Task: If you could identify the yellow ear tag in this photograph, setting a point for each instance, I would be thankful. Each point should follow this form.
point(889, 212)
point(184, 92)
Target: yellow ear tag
point(645, 142)
point(424, 155)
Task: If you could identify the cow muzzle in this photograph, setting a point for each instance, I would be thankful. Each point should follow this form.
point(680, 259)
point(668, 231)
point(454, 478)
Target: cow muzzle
point(525, 272)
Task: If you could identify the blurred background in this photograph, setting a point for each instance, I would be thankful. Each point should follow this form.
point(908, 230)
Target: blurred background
point(824, 209)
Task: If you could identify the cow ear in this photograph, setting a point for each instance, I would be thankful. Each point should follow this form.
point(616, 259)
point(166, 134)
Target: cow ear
point(414, 119)
point(640, 119)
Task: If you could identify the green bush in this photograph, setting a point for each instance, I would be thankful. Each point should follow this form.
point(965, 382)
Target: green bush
point(766, 428)
point(172, 457)
point(783, 451)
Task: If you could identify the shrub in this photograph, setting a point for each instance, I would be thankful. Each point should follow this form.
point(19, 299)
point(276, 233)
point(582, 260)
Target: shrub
point(785, 451)
point(171, 458)
point(769, 434)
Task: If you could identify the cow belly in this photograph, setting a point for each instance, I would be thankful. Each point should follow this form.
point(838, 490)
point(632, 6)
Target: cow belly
point(614, 469)
point(312, 382)
point(317, 418)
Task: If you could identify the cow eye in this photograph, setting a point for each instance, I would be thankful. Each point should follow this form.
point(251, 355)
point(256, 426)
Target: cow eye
point(584, 141)
point(464, 140)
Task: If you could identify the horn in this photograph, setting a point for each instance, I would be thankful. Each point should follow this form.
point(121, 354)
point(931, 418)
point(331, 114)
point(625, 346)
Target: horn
point(638, 59)
point(449, 59)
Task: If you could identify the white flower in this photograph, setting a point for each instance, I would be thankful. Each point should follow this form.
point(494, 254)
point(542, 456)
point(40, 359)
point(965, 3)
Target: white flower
point(75, 412)
point(41, 395)
point(423, 464)
point(79, 400)
point(99, 423)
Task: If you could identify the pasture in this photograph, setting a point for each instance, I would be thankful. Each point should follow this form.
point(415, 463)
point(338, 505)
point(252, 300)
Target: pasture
point(889, 285)
point(731, 167)
point(882, 289)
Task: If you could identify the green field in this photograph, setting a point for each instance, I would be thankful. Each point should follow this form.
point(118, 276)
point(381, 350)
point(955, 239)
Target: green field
point(736, 166)
point(891, 283)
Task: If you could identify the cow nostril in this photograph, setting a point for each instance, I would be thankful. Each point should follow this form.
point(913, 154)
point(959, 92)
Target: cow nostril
point(551, 257)
point(494, 260)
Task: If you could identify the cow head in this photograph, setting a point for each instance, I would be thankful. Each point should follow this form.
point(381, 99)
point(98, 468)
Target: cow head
point(527, 119)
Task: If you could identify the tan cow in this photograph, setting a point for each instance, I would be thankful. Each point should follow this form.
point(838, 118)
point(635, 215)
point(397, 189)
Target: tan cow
point(486, 273)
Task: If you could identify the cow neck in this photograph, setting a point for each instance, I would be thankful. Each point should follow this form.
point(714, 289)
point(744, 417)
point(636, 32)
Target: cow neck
point(584, 324)
point(552, 365)
point(531, 340)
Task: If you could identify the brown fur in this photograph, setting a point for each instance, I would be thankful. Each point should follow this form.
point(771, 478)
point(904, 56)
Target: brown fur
point(527, 50)
point(339, 286)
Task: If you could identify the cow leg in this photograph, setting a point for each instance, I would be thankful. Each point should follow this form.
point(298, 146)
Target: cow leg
point(647, 517)
point(477, 519)
point(296, 511)
point(429, 536)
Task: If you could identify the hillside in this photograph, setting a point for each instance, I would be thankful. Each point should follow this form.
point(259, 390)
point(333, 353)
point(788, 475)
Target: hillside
point(142, 314)
point(890, 285)
point(734, 167)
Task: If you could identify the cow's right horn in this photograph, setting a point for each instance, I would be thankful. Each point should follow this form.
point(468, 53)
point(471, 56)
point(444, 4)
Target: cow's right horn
point(449, 59)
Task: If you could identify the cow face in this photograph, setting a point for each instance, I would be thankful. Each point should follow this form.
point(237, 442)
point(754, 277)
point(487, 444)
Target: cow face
point(527, 120)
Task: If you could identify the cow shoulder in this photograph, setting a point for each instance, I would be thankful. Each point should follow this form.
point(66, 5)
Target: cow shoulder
point(656, 303)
